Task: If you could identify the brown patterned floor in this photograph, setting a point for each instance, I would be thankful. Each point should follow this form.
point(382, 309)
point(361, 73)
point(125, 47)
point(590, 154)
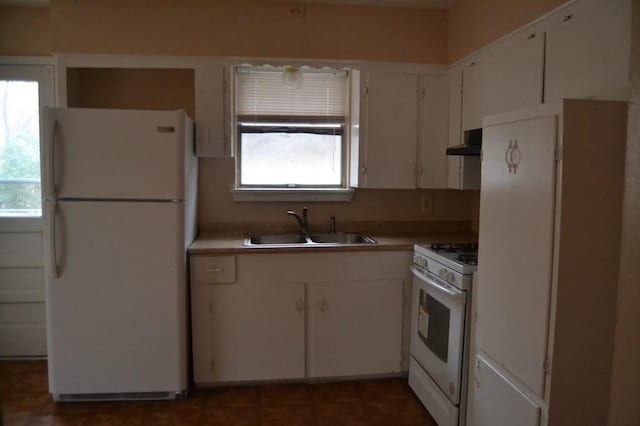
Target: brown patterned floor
point(25, 401)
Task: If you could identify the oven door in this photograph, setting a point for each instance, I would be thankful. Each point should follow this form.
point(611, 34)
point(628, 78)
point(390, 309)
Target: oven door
point(437, 330)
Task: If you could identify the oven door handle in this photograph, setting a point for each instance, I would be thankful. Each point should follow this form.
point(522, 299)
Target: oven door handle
point(431, 281)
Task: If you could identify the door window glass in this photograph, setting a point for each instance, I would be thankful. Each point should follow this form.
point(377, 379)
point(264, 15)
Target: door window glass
point(19, 148)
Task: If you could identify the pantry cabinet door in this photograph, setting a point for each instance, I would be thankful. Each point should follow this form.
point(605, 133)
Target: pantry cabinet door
point(516, 246)
point(389, 135)
point(588, 51)
point(355, 328)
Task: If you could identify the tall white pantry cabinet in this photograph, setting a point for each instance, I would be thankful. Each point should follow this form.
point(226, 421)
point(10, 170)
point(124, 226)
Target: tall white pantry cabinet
point(550, 223)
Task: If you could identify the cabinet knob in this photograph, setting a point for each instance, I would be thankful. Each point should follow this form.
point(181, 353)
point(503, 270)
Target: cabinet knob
point(322, 304)
point(299, 305)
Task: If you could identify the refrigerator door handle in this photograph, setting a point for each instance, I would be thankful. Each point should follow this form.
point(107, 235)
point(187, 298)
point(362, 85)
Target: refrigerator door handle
point(51, 221)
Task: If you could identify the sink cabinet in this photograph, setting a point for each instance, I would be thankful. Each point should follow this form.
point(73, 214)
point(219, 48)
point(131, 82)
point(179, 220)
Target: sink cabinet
point(354, 328)
point(247, 331)
point(300, 315)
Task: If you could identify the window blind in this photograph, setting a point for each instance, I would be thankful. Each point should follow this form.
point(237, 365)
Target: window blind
point(261, 92)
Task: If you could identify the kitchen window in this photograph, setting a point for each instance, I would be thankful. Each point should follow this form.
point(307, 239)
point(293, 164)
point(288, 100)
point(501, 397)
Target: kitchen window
point(290, 129)
point(24, 89)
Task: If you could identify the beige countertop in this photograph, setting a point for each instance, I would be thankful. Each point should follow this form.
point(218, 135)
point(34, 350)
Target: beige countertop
point(233, 243)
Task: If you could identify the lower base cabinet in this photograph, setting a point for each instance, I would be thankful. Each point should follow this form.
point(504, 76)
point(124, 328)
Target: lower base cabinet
point(248, 331)
point(354, 328)
point(296, 316)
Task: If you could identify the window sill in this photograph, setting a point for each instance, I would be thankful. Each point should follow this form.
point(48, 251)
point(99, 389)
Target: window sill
point(310, 194)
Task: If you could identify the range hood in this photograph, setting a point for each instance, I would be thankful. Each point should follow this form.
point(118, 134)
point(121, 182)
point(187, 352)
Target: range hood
point(472, 144)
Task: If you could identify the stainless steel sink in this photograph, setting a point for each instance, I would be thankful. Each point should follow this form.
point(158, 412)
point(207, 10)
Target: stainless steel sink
point(341, 239)
point(293, 240)
point(279, 239)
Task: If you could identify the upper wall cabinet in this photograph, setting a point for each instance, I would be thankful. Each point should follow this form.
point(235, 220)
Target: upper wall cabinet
point(505, 77)
point(588, 51)
point(462, 172)
point(403, 130)
point(434, 123)
point(213, 135)
point(388, 130)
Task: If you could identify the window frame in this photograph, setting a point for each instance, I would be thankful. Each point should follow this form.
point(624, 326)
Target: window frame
point(340, 192)
point(41, 70)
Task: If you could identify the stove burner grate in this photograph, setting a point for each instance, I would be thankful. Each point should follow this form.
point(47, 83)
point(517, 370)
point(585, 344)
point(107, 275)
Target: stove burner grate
point(469, 259)
point(454, 247)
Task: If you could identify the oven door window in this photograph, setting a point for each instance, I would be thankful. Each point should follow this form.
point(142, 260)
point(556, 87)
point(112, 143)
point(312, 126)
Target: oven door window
point(433, 325)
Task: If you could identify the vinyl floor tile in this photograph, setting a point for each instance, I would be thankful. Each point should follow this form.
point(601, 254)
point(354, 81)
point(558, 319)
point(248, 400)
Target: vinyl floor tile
point(25, 401)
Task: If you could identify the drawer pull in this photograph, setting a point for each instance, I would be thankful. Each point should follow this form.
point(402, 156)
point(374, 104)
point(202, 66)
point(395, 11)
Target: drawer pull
point(215, 270)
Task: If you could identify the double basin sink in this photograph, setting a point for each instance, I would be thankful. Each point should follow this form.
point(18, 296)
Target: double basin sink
point(294, 240)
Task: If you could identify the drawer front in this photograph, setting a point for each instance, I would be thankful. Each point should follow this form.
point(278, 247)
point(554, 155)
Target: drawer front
point(213, 269)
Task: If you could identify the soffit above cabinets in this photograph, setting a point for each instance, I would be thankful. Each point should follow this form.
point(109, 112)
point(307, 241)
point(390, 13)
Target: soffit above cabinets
point(414, 4)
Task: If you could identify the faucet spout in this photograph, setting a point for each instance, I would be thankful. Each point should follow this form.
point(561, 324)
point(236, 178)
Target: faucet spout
point(302, 221)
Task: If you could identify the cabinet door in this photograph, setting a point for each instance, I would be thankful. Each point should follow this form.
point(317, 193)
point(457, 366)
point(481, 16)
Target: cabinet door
point(495, 401)
point(390, 118)
point(434, 122)
point(455, 127)
point(516, 246)
point(588, 51)
point(255, 331)
point(212, 106)
point(355, 328)
point(506, 77)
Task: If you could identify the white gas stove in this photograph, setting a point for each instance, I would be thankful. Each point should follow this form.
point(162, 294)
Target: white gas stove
point(441, 305)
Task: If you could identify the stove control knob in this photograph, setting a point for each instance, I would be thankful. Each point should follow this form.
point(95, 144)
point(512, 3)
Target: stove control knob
point(450, 277)
point(442, 273)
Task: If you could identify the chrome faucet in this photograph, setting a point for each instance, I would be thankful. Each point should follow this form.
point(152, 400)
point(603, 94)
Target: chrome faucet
point(304, 221)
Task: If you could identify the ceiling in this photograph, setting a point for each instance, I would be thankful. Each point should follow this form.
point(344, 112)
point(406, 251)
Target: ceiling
point(421, 4)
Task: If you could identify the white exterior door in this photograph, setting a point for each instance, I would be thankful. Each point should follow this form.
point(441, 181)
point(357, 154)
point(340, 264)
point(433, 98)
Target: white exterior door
point(22, 319)
point(516, 245)
point(113, 154)
point(116, 317)
point(355, 328)
point(494, 401)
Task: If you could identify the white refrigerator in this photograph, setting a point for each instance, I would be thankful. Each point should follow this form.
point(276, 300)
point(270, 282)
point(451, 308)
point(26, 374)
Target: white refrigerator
point(119, 190)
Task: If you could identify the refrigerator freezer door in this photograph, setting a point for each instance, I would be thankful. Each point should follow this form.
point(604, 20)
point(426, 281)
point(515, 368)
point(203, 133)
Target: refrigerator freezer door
point(116, 317)
point(113, 154)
